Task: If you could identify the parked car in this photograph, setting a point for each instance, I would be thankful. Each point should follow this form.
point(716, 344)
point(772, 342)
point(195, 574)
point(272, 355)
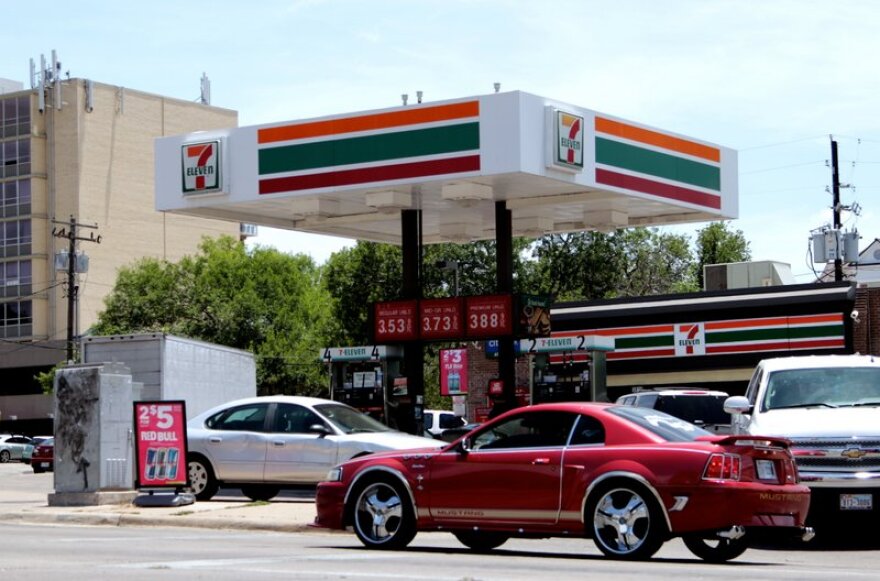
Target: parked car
point(13, 447)
point(262, 444)
point(29, 450)
point(702, 407)
point(628, 477)
point(43, 456)
point(438, 420)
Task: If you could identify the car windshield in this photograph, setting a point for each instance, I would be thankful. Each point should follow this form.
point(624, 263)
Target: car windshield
point(670, 428)
point(350, 420)
point(828, 387)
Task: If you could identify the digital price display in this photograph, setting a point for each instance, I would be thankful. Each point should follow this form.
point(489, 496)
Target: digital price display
point(440, 319)
point(489, 316)
point(396, 321)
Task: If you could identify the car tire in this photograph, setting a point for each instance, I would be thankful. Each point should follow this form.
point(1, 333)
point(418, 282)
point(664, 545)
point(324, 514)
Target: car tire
point(4, 456)
point(37, 469)
point(481, 541)
point(202, 481)
point(715, 549)
point(260, 492)
point(625, 521)
point(383, 515)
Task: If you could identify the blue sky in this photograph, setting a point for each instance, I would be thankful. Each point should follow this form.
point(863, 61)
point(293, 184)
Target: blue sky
point(769, 78)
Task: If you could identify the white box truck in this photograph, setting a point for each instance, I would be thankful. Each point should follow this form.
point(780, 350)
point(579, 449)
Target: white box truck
point(177, 368)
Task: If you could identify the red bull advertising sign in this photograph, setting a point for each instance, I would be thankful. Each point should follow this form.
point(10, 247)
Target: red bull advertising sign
point(160, 442)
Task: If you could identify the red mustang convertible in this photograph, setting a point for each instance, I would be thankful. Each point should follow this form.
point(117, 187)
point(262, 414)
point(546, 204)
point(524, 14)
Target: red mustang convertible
point(630, 478)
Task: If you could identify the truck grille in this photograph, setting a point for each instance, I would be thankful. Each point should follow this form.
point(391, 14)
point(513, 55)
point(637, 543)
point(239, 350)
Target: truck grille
point(837, 455)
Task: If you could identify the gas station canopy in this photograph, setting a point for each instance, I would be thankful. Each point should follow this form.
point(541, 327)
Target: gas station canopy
point(557, 167)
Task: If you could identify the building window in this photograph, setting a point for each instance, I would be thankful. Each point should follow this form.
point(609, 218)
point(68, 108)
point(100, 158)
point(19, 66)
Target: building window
point(15, 198)
point(15, 158)
point(16, 313)
point(15, 233)
point(15, 273)
point(15, 116)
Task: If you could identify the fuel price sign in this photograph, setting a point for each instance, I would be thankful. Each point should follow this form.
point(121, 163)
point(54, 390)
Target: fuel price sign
point(440, 319)
point(489, 316)
point(395, 321)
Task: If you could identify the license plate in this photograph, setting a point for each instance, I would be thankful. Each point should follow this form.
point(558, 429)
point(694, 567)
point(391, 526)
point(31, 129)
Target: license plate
point(44, 464)
point(766, 469)
point(856, 502)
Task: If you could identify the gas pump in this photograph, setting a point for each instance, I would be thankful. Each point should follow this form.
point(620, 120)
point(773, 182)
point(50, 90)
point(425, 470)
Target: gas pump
point(363, 376)
point(568, 368)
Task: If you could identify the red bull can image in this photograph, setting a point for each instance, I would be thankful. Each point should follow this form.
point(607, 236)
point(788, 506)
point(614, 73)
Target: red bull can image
point(173, 455)
point(161, 467)
point(150, 467)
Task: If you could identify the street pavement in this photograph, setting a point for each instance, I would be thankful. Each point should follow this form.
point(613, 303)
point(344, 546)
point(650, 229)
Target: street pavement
point(24, 497)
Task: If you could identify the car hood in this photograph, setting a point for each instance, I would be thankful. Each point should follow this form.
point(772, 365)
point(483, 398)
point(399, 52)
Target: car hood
point(377, 441)
point(818, 422)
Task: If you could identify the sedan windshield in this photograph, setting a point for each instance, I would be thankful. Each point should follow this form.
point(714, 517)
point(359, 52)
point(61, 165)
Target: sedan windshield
point(350, 420)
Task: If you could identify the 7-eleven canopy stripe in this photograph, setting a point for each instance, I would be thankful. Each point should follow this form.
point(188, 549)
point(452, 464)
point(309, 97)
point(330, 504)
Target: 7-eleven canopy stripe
point(403, 144)
point(655, 163)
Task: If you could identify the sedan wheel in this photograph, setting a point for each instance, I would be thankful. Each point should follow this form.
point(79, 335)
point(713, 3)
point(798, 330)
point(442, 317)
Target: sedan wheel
point(201, 479)
point(383, 517)
point(626, 523)
point(715, 549)
point(4, 456)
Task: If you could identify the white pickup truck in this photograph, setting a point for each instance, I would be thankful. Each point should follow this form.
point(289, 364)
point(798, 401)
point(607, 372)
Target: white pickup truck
point(829, 407)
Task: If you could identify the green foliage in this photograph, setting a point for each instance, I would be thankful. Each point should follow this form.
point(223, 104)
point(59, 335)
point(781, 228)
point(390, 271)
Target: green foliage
point(263, 301)
point(654, 263)
point(716, 244)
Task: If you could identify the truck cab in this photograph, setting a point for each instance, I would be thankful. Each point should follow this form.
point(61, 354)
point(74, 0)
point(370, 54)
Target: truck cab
point(829, 407)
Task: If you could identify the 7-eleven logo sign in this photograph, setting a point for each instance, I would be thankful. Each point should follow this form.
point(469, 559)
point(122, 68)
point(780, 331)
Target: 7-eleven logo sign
point(569, 139)
point(690, 339)
point(201, 167)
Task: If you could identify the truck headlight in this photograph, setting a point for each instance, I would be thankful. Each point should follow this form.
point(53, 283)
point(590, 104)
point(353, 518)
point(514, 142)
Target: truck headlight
point(335, 474)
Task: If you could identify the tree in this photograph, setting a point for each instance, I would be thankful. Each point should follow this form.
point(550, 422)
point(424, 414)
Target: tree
point(263, 301)
point(718, 245)
point(577, 266)
point(654, 263)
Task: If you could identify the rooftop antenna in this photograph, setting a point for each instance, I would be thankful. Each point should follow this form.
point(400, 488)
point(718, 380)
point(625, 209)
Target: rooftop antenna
point(205, 97)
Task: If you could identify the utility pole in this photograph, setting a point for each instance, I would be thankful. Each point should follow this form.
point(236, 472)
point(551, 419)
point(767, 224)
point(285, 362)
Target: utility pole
point(835, 191)
point(72, 288)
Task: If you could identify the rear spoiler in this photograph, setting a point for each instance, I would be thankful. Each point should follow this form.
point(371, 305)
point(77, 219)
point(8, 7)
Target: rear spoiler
point(745, 440)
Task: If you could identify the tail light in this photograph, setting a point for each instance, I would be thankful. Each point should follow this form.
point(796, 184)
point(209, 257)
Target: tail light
point(723, 467)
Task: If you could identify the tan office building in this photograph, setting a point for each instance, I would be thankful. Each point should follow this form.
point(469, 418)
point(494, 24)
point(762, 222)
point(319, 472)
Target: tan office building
point(79, 149)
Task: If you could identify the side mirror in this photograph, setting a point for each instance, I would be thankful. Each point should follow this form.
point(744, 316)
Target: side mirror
point(463, 446)
point(320, 429)
point(737, 404)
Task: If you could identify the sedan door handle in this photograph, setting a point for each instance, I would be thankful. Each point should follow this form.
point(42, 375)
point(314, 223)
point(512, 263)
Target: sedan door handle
point(541, 461)
point(278, 443)
point(215, 439)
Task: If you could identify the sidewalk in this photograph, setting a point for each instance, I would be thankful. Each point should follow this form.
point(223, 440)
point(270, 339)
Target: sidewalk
point(31, 504)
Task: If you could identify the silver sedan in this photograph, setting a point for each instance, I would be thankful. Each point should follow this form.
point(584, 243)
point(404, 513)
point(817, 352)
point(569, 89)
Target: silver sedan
point(262, 444)
point(13, 447)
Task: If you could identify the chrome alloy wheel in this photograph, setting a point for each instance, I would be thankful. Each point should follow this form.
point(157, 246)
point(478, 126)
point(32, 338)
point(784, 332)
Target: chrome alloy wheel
point(379, 512)
point(621, 521)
